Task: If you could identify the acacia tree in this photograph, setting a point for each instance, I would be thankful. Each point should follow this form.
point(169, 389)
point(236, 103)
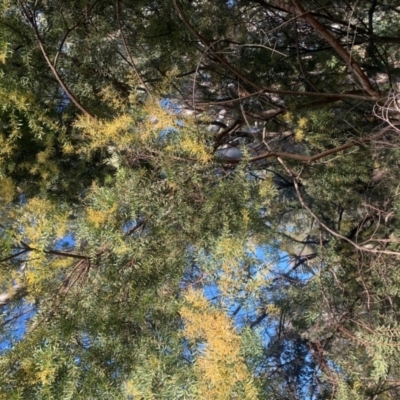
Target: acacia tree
point(270, 174)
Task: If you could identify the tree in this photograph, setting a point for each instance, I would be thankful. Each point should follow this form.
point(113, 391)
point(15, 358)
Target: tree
point(155, 151)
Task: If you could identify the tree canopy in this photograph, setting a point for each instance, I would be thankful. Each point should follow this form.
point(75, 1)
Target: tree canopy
point(199, 199)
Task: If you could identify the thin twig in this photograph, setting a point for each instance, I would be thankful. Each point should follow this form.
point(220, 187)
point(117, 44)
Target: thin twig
point(326, 227)
point(131, 61)
point(31, 19)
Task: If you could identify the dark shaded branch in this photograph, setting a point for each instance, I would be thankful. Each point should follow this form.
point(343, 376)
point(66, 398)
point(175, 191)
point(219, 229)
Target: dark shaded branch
point(56, 252)
point(131, 61)
point(258, 320)
point(298, 10)
point(31, 19)
point(316, 157)
point(14, 255)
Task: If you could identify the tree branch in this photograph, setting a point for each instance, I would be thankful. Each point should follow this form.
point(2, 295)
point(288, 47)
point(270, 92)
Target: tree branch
point(131, 61)
point(326, 227)
point(31, 19)
point(316, 157)
point(298, 10)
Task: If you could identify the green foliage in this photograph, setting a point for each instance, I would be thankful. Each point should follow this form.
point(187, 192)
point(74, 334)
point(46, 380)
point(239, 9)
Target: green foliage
point(139, 259)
